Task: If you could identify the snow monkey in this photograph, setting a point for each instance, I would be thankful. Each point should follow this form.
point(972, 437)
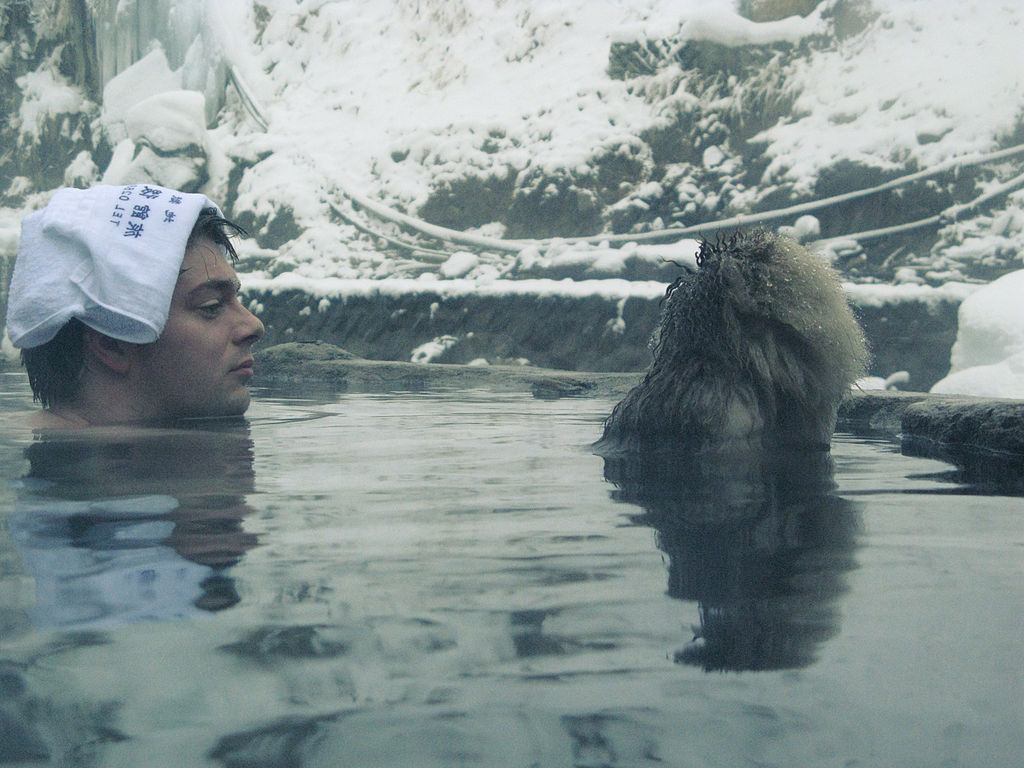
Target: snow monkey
point(757, 347)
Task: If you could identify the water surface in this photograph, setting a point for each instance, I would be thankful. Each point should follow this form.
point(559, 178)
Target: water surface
point(454, 578)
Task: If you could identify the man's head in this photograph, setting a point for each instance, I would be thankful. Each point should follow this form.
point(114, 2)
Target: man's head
point(201, 364)
point(182, 351)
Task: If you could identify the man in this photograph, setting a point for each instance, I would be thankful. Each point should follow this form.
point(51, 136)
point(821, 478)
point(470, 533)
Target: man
point(125, 305)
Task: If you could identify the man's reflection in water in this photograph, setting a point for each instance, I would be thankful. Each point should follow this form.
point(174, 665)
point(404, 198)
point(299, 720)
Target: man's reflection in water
point(132, 525)
point(758, 539)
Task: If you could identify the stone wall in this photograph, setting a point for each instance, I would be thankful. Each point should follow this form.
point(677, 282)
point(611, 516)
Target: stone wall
point(593, 333)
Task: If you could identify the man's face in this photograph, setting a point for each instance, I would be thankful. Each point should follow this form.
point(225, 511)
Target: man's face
point(201, 364)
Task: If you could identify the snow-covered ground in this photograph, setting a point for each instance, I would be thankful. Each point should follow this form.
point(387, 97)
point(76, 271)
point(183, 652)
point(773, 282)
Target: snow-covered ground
point(386, 100)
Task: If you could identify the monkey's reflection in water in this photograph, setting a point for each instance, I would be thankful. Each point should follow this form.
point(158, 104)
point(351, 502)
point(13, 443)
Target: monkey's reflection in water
point(134, 524)
point(759, 539)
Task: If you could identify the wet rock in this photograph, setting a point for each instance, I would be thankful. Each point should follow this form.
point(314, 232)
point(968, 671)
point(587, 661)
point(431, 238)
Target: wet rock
point(271, 230)
point(957, 422)
point(983, 438)
point(319, 365)
point(876, 412)
point(295, 353)
point(992, 425)
point(594, 332)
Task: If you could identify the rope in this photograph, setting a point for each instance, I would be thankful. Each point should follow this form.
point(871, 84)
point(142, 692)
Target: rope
point(892, 184)
point(430, 230)
point(430, 253)
point(949, 215)
point(248, 100)
point(514, 246)
point(454, 236)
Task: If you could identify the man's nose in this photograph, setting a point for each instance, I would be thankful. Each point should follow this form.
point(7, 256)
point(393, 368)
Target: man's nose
point(251, 329)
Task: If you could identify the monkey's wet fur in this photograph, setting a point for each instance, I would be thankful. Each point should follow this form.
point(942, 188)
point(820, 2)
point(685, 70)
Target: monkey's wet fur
point(756, 348)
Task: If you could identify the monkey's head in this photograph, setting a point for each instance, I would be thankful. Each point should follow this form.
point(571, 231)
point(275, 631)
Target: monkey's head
point(759, 338)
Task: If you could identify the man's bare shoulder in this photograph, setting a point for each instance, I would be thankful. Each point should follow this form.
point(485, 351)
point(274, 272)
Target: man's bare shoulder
point(44, 421)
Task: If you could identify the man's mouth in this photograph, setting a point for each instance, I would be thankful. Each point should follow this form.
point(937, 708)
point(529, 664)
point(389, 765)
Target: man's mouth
point(246, 366)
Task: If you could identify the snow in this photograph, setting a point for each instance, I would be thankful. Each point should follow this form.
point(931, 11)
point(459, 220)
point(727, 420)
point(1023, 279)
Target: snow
point(935, 80)
point(988, 356)
point(877, 295)
point(425, 353)
point(169, 121)
point(1002, 379)
point(340, 288)
point(717, 23)
point(896, 380)
point(376, 102)
point(410, 91)
point(459, 263)
point(45, 96)
point(147, 77)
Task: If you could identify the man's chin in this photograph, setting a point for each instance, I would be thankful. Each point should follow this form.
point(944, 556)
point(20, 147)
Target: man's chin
point(230, 408)
point(237, 407)
point(237, 402)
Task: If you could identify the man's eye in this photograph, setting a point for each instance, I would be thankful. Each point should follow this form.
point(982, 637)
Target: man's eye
point(211, 308)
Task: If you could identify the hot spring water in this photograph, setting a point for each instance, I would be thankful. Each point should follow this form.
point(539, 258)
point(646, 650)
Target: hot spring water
point(453, 578)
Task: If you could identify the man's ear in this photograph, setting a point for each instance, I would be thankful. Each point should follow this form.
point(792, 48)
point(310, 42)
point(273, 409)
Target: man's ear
point(111, 353)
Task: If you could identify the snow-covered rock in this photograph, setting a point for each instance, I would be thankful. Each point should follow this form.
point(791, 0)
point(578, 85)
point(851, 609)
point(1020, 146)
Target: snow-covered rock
point(988, 356)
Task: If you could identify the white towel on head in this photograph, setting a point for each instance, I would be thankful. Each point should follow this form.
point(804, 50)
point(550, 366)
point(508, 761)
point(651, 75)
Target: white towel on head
point(106, 255)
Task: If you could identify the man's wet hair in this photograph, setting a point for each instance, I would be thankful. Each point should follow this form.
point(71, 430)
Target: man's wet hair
point(214, 227)
point(55, 368)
